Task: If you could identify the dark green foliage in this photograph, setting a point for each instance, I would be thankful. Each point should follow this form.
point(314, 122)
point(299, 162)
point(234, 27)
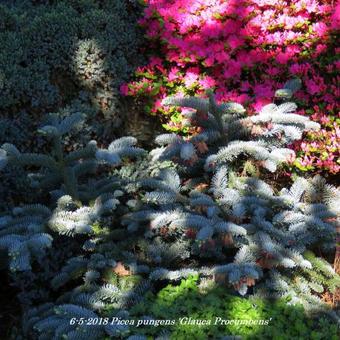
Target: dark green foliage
point(322, 277)
point(14, 130)
point(192, 300)
point(31, 284)
point(44, 57)
point(60, 172)
point(45, 50)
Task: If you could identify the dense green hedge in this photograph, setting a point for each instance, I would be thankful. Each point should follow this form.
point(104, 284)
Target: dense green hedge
point(53, 52)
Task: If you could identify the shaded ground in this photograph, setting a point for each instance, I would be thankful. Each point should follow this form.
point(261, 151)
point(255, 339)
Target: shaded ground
point(10, 308)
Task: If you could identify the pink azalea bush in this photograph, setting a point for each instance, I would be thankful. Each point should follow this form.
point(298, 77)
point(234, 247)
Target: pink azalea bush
point(245, 50)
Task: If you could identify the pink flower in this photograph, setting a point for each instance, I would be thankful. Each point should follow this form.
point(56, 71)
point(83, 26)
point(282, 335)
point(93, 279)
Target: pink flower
point(222, 57)
point(320, 28)
point(235, 41)
point(190, 78)
point(335, 18)
point(173, 74)
point(263, 91)
point(233, 69)
point(209, 61)
point(283, 58)
point(155, 61)
point(259, 103)
point(245, 86)
point(207, 82)
point(124, 89)
point(273, 71)
point(314, 87)
point(306, 161)
point(242, 98)
point(321, 48)
point(153, 29)
point(324, 119)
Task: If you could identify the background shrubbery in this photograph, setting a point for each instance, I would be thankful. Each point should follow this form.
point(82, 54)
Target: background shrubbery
point(65, 57)
point(58, 53)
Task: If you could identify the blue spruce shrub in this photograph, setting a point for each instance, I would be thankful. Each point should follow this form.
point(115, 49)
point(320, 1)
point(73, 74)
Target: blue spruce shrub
point(182, 209)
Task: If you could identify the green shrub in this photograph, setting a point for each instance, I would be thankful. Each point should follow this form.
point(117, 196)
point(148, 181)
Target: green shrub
point(189, 300)
point(63, 50)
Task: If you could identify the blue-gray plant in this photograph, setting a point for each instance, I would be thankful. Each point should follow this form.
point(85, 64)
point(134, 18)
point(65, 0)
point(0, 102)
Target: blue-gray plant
point(184, 208)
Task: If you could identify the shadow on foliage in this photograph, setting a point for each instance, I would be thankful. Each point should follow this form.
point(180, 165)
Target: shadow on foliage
point(204, 310)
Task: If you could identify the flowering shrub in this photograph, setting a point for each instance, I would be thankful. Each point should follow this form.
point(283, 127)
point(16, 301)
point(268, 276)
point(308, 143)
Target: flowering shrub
point(320, 150)
point(245, 49)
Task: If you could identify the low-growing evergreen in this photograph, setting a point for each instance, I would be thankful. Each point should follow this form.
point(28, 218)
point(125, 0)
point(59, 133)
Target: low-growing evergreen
point(185, 208)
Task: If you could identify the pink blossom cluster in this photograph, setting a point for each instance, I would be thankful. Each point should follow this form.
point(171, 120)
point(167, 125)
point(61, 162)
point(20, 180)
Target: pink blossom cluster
point(245, 49)
point(321, 149)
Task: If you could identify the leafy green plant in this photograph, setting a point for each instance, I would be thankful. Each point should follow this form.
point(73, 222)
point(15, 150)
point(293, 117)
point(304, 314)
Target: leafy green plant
point(190, 299)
